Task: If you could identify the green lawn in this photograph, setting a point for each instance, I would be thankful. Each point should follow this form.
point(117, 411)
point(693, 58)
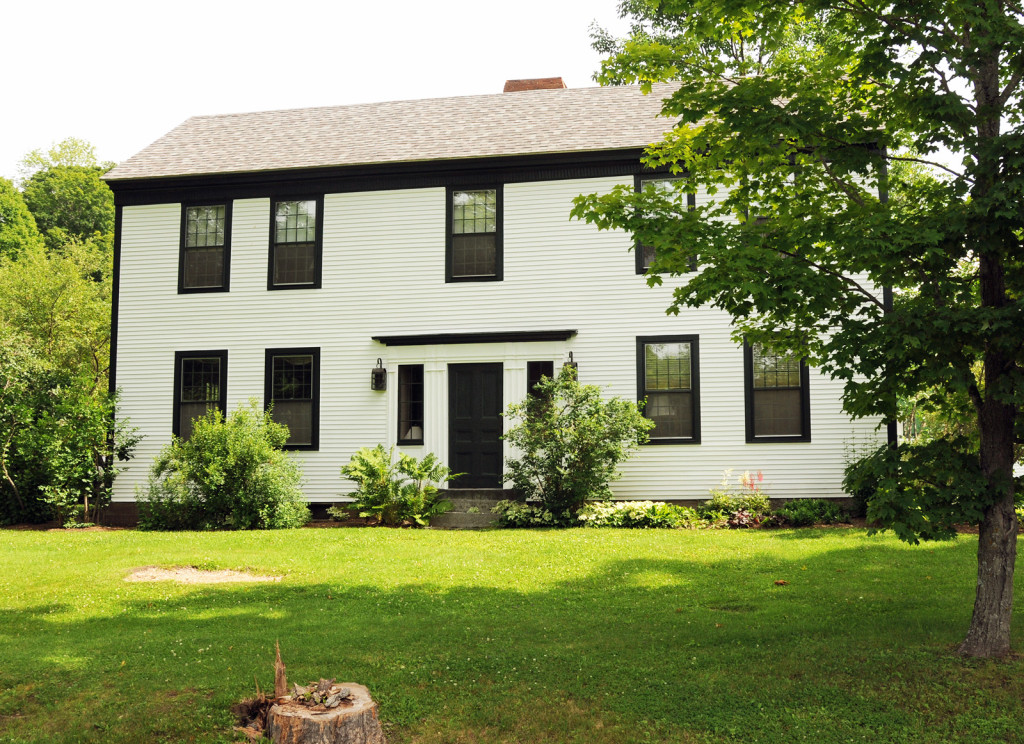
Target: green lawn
point(516, 636)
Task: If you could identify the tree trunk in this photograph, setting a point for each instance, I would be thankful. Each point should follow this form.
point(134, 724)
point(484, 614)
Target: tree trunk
point(352, 723)
point(992, 238)
point(989, 634)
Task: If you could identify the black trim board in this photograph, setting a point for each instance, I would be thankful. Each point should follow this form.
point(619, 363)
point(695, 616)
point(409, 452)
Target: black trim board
point(313, 351)
point(226, 248)
point(464, 173)
point(114, 302)
point(748, 402)
point(694, 341)
point(487, 337)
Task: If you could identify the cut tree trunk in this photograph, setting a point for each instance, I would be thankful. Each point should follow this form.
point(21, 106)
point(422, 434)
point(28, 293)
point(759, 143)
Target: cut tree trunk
point(353, 722)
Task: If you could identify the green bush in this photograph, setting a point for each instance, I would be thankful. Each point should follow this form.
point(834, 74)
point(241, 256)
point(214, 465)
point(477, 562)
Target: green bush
point(570, 442)
point(397, 492)
point(638, 514)
point(230, 474)
point(511, 513)
point(807, 512)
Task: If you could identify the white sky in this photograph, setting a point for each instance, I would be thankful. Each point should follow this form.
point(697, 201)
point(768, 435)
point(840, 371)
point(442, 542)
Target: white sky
point(120, 73)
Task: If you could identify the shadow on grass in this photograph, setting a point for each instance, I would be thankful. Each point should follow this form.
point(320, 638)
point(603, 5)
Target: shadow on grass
point(853, 646)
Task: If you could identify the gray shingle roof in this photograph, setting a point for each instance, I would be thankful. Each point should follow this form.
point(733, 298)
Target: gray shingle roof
point(519, 123)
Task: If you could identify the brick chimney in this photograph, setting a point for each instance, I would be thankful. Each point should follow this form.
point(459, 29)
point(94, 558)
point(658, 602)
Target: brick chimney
point(554, 83)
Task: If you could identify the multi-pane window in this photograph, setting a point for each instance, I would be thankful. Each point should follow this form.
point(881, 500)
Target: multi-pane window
point(645, 254)
point(535, 371)
point(204, 248)
point(199, 385)
point(410, 404)
point(293, 393)
point(295, 244)
point(667, 379)
point(777, 395)
point(474, 246)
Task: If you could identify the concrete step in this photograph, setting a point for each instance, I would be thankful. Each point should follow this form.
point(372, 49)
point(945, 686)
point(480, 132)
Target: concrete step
point(463, 521)
point(461, 504)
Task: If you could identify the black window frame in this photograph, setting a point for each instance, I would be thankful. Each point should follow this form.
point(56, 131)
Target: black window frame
point(694, 341)
point(179, 358)
point(318, 243)
point(691, 204)
point(499, 253)
point(749, 391)
point(534, 373)
point(402, 388)
point(225, 286)
point(268, 390)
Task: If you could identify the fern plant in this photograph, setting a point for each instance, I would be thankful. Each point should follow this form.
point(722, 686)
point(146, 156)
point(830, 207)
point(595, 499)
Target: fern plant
point(394, 492)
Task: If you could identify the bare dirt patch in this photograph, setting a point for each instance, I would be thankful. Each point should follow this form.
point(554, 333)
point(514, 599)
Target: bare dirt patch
point(193, 575)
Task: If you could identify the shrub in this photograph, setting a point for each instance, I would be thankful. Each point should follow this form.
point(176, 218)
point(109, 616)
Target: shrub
point(570, 442)
point(638, 514)
point(806, 512)
point(729, 499)
point(230, 474)
point(520, 514)
point(397, 492)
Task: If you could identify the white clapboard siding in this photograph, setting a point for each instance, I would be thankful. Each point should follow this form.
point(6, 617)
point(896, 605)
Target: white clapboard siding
point(383, 274)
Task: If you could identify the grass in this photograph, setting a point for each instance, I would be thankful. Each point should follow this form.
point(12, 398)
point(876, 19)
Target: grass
point(596, 636)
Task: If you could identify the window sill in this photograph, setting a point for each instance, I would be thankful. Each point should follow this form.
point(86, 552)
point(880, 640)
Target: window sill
point(779, 439)
point(313, 285)
point(460, 279)
point(201, 290)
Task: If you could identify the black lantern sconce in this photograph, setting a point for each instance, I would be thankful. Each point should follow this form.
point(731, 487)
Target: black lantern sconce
point(572, 365)
point(379, 377)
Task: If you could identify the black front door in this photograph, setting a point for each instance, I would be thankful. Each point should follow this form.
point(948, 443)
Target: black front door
point(474, 425)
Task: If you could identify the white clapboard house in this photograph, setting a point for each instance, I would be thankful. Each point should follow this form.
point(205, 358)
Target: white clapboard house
point(401, 272)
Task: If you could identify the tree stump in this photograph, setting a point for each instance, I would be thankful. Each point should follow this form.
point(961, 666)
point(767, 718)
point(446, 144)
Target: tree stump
point(353, 722)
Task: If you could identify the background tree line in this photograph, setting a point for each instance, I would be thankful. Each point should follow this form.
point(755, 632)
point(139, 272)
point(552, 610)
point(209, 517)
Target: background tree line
point(57, 450)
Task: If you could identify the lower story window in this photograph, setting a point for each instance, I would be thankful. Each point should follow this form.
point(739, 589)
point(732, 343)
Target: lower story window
point(200, 382)
point(293, 394)
point(535, 371)
point(410, 404)
point(777, 396)
point(667, 379)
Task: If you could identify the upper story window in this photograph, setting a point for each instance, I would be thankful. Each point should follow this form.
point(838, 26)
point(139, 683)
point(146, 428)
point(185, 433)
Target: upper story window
point(200, 384)
point(296, 244)
point(293, 393)
point(777, 396)
point(667, 377)
point(668, 185)
point(474, 235)
point(205, 246)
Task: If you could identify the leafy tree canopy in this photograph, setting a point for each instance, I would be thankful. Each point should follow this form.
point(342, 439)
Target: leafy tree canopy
point(59, 305)
point(814, 126)
point(70, 152)
point(17, 226)
point(71, 202)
